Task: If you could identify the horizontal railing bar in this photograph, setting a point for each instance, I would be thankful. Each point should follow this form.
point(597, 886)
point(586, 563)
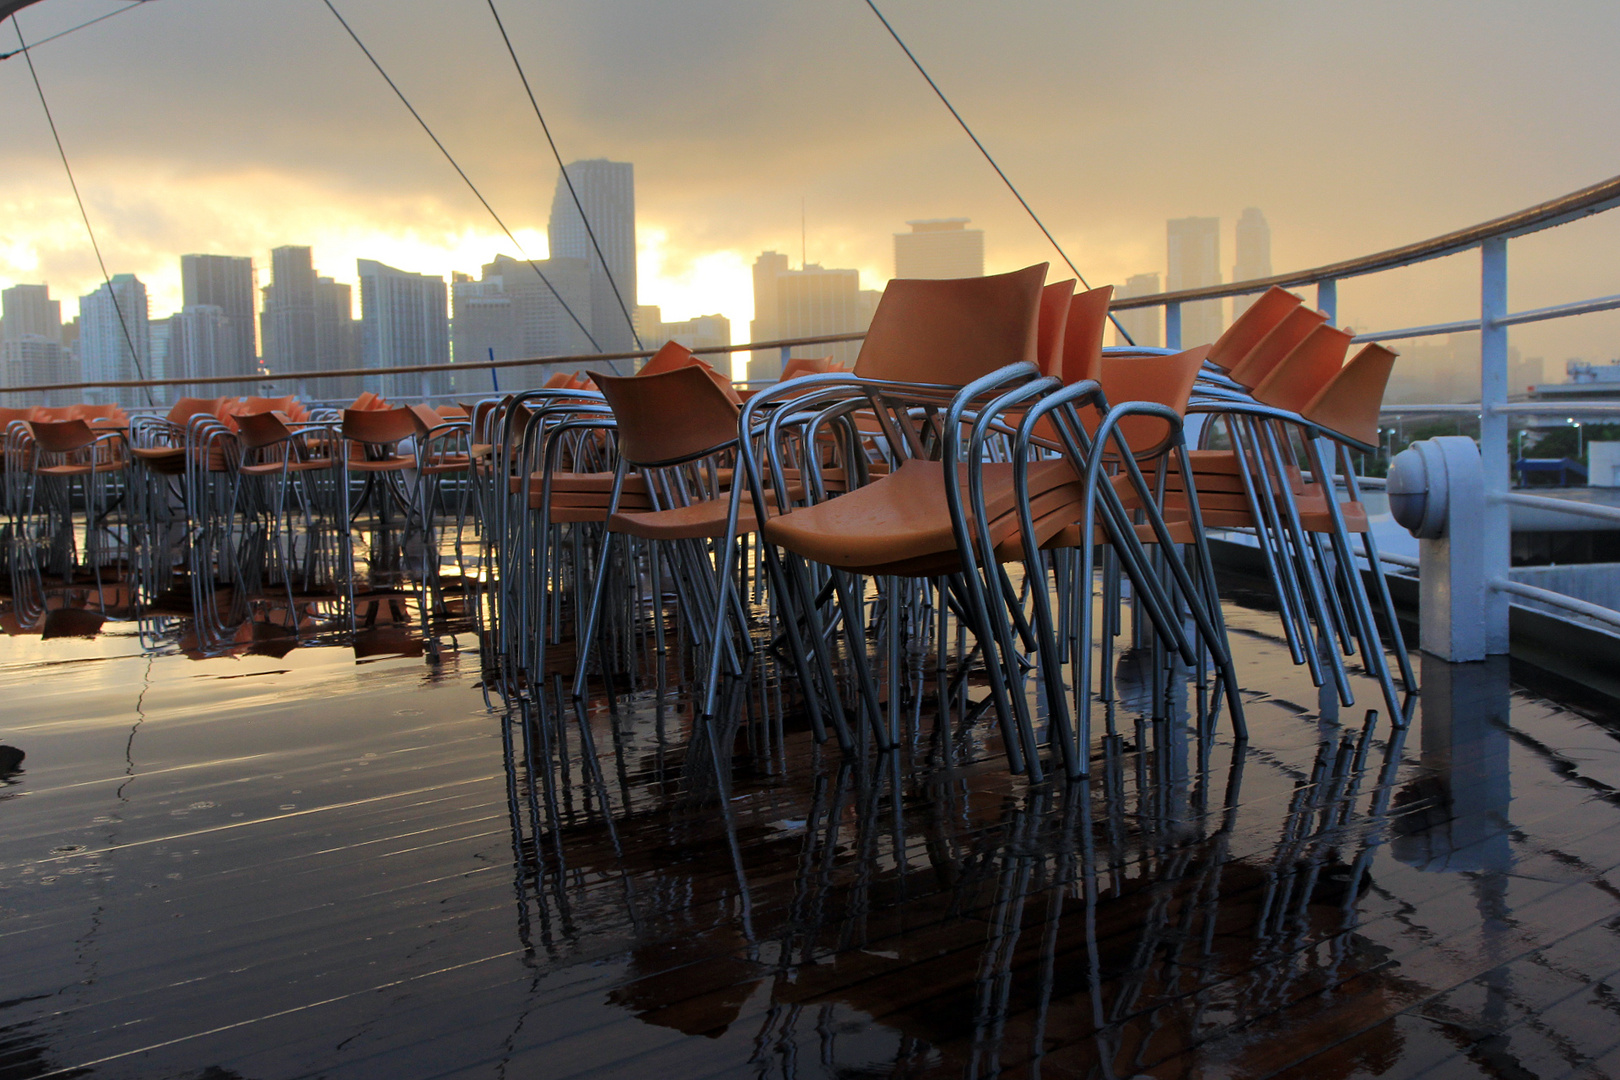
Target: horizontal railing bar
point(1561, 506)
point(1558, 599)
point(1560, 311)
point(1577, 204)
point(1462, 326)
point(417, 369)
point(1512, 408)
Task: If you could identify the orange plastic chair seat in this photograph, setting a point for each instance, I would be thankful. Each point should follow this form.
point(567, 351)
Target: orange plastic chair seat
point(700, 521)
point(272, 468)
point(392, 463)
point(900, 518)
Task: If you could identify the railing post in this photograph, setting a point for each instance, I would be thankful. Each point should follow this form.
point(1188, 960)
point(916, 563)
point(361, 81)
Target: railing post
point(786, 355)
point(1495, 458)
point(1172, 326)
point(1327, 299)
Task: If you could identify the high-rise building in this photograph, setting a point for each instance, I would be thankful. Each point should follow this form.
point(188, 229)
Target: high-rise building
point(699, 332)
point(225, 282)
point(607, 194)
point(765, 363)
point(809, 302)
point(484, 325)
point(337, 339)
point(202, 343)
point(113, 340)
point(1253, 253)
point(29, 311)
point(404, 320)
point(32, 359)
point(939, 248)
point(1194, 249)
point(543, 325)
point(1142, 324)
point(289, 312)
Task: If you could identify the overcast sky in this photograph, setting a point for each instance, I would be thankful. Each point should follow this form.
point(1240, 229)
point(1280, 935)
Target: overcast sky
point(235, 126)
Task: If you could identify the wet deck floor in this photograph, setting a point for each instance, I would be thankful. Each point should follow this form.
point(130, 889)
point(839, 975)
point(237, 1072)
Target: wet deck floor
point(266, 867)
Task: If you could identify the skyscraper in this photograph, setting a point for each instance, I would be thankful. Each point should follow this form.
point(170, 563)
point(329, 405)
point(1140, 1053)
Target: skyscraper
point(113, 343)
point(202, 343)
point(289, 312)
point(225, 282)
point(29, 310)
point(543, 326)
point(1141, 323)
point(765, 363)
point(807, 302)
point(31, 349)
point(1253, 252)
point(1195, 261)
point(607, 193)
point(404, 320)
point(939, 248)
point(337, 339)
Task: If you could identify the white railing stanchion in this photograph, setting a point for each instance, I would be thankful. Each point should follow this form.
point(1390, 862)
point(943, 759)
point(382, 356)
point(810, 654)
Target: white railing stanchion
point(1496, 539)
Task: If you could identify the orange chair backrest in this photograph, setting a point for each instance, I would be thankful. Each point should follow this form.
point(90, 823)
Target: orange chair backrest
point(8, 415)
point(425, 418)
point(378, 427)
point(1305, 370)
point(1350, 401)
point(1055, 300)
point(1249, 328)
point(809, 365)
point(669, 416)
point(182, 411)
point(62, 436)
point(558, 381)
point(288, 406)
point(670, 355)
point(1163, 380)
point(1278, 343)
point(261, 428)
point(955, 330)
point(1083, 334)
point(369, 402)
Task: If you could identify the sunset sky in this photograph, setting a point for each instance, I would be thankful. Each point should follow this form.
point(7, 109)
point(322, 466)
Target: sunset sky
point(235, 126)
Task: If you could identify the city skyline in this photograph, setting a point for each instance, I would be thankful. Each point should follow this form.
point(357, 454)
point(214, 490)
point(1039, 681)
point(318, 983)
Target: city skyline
point(726, 157)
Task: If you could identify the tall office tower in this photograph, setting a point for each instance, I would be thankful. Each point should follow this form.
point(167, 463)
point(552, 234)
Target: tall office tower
point(939, 248)
point(698, 332)
point(765, 363)
point(202, 343)
point(225, 282)
point(607, 193)
point(113, 339)
point(28, 310)
point(483, 326)
point(1253, 250)
point(289, 312)
point(404, 320)
point(1141, 323)
point(814, 301)
point(337, 340)
point(544, 327)
point(31, 359)
point(1195, 261)
point(159, 364)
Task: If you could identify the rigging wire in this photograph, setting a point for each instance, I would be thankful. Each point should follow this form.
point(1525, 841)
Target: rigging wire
point(130, 5)
point(1004, 178)
point(463, 174)
point(590, 232)
point(118, 308)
